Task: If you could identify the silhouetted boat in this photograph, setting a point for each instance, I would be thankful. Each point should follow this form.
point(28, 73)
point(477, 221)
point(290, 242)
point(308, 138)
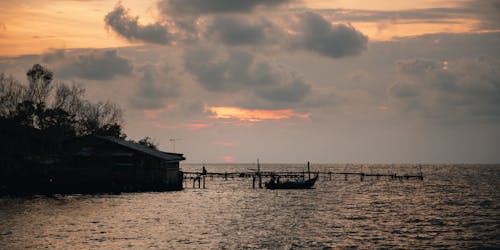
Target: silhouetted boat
point(291, 184)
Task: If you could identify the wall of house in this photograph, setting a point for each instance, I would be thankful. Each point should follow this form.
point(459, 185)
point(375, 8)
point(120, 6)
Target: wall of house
point(109, 165)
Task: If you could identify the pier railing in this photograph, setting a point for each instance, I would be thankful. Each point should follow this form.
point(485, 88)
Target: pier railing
point(199, 177)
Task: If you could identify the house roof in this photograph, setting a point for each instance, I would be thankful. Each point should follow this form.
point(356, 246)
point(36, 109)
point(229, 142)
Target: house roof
point(172, 157)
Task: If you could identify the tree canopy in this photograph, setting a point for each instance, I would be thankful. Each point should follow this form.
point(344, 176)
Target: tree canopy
point(56, 111)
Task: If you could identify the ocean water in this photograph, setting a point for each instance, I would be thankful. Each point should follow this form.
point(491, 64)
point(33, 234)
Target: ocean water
point(455, 207)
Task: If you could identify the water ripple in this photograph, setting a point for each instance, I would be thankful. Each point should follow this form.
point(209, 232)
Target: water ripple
point(455, 207)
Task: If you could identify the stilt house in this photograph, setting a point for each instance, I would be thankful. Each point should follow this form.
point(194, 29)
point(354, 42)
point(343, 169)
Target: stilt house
point(112, 163)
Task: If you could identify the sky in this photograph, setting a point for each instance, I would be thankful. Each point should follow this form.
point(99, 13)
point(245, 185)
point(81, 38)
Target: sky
point(326, 81)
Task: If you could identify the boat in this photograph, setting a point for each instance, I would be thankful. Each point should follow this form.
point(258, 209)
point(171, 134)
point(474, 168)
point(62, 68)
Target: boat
point(291, 184)
point(275, 183)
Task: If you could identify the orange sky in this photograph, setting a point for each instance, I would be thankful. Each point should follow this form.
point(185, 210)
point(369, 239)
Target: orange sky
point(253, 115)
point(35, 26)
point(428, 98)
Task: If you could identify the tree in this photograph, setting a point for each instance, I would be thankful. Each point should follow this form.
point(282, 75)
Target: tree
point(113, 130)
point(69, 98)
point(57, 123)
point(11, 94)
point(69, 114)
point(24, 113)
point(39, 87)
point(100, 118)
point(148, 142)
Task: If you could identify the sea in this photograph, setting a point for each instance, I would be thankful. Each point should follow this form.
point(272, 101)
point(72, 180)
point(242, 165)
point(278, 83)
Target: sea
point(454, 207)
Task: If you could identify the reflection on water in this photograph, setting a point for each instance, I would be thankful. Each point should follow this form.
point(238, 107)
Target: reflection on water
point(454, 207)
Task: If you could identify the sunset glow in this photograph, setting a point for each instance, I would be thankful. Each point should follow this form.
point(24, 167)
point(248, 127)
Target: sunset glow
point(363, 81)
point(228, 159)
point(253, 115)
point(79, 24)
point(198, 125)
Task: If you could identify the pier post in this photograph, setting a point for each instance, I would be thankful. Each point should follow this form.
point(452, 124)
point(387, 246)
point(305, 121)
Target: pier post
point(253, 182)
point(203, 182)
point(308, 171)
point(194, 182)
point(345, 177)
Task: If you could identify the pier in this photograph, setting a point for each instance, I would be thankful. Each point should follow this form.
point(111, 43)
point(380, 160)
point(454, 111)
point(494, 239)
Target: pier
point(199, 178)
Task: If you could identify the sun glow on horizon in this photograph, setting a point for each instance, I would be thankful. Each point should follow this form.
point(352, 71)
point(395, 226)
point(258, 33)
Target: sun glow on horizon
point(253, 115)
point(228, 159)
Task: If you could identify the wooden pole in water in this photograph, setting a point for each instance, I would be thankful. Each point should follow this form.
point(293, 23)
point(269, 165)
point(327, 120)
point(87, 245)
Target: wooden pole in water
point(308, 171)
point(258, 166)
point(258, 173)
point(203, 182)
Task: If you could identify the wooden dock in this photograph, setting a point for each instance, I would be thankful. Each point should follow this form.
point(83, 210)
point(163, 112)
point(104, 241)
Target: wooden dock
point(199, 177)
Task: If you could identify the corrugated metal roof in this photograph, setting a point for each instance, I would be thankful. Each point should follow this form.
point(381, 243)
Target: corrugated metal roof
point(138, 147)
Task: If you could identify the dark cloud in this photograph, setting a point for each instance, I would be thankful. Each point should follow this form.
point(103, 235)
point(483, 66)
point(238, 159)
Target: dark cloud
point(151, 94)
point(95, 65)
point(241, 71)
point(202, 7)
point(210, 73)
point(486, 11)
point(292, 92)
point(317, 34)
point(428, 15)
point(128, 27)
point(53, 56)
point(467, 88)
point(404, 90)
point(186, 15)
point(240, 31)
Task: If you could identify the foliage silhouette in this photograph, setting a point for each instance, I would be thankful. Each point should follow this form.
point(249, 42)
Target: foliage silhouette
point(37, 119)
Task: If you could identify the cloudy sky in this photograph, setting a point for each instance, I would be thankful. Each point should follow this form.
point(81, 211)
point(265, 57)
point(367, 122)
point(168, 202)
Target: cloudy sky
point(330, 81)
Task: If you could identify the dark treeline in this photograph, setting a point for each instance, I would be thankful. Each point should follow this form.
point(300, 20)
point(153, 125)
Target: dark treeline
point(38, 117)
point(35, 118)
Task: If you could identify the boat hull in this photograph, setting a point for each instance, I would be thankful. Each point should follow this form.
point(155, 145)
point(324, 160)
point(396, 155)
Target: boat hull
point(307, 184)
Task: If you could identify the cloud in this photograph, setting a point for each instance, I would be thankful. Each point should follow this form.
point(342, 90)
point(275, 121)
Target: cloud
point(487, 12)
point(467, 88)
point(239, 71)
point(315, 33)
point(150, 94)
point(233, 30)
point(292, 92)
point(203, 7)
point(93, 65)
point(53, 56)
point(128, 27)
point(190, 16)
point(428, 15)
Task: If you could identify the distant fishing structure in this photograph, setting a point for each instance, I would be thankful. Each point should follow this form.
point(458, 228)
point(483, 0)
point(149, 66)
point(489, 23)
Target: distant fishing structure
point(293, 176)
